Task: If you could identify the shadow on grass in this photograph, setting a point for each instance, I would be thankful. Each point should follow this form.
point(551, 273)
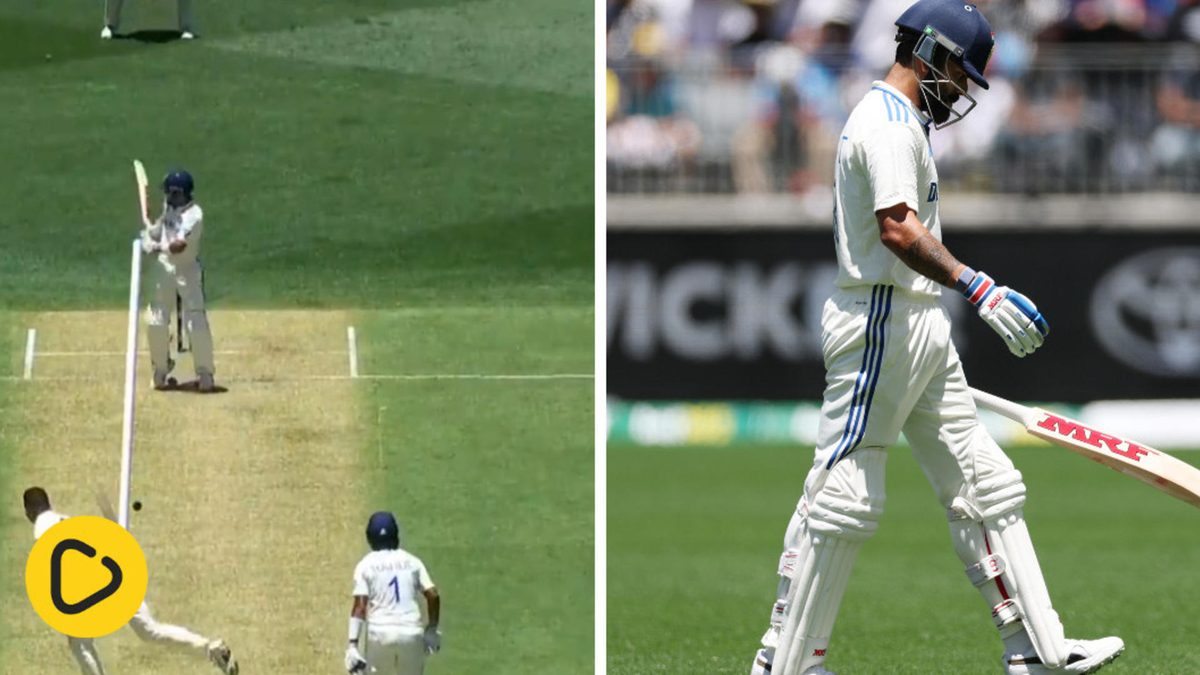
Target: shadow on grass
point(150, 36)
point(191, 387)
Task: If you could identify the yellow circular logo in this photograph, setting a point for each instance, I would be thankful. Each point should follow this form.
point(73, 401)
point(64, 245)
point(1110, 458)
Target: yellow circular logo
point(86, 577)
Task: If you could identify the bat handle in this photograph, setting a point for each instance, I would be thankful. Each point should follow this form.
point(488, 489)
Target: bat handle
point(1014, 411)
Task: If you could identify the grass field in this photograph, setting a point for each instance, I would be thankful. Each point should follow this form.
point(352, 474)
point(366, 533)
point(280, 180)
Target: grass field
point(694, 536)
point(423, 174)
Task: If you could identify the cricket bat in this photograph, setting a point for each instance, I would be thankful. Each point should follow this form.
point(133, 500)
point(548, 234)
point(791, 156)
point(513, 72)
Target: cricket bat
point(139, 173)
point(1158, 469)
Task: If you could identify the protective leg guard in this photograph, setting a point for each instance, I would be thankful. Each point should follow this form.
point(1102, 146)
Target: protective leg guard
point(158, 335)
point(196, 322)
point(822, 543)
point(991, 539)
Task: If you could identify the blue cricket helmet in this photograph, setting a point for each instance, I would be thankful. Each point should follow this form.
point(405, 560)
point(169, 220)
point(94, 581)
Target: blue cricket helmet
point(382, 531)
point(180, 180)
point(958, 27)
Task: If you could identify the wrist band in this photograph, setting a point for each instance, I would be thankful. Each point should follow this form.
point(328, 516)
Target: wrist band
point(355, 628)
point(963, 282)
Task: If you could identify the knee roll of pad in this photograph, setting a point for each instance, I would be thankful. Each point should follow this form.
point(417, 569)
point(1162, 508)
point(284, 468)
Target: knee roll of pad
point(851, 502)
point(1000, 494)
point(842, 518)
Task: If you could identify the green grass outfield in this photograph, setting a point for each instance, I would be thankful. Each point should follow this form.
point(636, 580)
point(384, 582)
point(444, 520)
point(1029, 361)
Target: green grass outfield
point(694, 536)
point(419, 170)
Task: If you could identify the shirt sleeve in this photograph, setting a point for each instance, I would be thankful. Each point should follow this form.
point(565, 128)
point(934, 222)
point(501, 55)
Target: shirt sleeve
point(360, 580)
point(423, 578)
point(891, 160)
point(189, 222)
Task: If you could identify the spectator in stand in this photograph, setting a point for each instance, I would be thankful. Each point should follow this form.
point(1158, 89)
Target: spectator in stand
point(648, 132)
point(1175, 145)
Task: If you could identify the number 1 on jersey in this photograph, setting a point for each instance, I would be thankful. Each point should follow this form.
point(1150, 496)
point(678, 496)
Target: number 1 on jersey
point(395, 584)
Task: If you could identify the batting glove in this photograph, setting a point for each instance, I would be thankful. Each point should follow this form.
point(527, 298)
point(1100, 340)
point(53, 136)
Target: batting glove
point(1012, 315)
point(355, 663)
point(433, 640)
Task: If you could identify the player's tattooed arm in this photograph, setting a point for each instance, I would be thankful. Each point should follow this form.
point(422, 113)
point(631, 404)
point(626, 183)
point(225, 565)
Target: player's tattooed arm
point(904, 235)
point(929, 257)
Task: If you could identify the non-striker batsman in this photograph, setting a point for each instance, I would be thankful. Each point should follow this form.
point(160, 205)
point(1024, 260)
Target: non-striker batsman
point(175, 238)
point(891, 367)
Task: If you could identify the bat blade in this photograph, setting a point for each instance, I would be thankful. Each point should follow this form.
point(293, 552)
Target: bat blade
point(139, 174)
point(1153, 467)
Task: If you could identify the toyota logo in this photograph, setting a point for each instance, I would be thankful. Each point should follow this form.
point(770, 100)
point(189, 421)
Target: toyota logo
point(1146, 312)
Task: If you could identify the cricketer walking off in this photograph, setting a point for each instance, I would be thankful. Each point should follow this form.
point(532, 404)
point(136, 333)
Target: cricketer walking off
point(891, 367)
point(112, 19)
point(387, 583)
point(175, 238)
point(144, 625)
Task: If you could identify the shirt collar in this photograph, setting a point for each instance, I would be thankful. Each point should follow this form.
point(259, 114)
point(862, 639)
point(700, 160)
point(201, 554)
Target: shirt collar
point(921, 117)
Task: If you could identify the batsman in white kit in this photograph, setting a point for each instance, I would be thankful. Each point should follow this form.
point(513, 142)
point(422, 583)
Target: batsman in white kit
point(891, 367)
point(175, 238)
point(387, 583)
point(43, 517)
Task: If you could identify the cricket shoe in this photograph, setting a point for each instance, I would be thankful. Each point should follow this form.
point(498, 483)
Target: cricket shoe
point(187, 35)
point(162, 379)
point(762, 665)
point(106, 33)
point(222, 657)
point(1083, 656)
point(205, 383)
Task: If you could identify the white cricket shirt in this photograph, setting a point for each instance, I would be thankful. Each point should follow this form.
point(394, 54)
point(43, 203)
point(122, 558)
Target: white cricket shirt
point(391, 580)
point(883, 159)
point(185, 223)
point(45, 521)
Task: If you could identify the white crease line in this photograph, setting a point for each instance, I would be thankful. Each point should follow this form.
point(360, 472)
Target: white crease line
point(352, 350)
point(30, 343)
point(218, 352)
point(461, 376)
point(306, 378)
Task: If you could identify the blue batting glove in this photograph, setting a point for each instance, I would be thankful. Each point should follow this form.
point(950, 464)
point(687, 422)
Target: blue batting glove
point(1013, 316)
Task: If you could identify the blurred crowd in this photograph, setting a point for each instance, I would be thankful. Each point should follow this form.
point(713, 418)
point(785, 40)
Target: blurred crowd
point(749, 95)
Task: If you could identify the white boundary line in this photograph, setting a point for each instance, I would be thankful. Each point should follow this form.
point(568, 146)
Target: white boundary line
point(30, 344)
point(308, 378)
point(352, 350)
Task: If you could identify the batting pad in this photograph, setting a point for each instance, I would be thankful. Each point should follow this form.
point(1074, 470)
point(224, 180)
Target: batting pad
point(1023, 571)
point(842, 514)
point(814, 596)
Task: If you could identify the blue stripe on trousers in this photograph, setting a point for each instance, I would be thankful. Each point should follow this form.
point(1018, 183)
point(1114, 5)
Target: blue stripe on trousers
point(873, 360)
point(863, 376)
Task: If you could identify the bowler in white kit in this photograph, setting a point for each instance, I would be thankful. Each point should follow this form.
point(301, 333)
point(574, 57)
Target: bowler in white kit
point(175, 240)
point(87, 657)
point(891, 367)
point(388, 583)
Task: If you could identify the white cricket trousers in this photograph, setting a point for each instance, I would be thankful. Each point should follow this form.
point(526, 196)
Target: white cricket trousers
point(150, 629)
point(147, 628)
point(890, 367)
point(395, 653)
point(186, 280)
point(112, 14)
